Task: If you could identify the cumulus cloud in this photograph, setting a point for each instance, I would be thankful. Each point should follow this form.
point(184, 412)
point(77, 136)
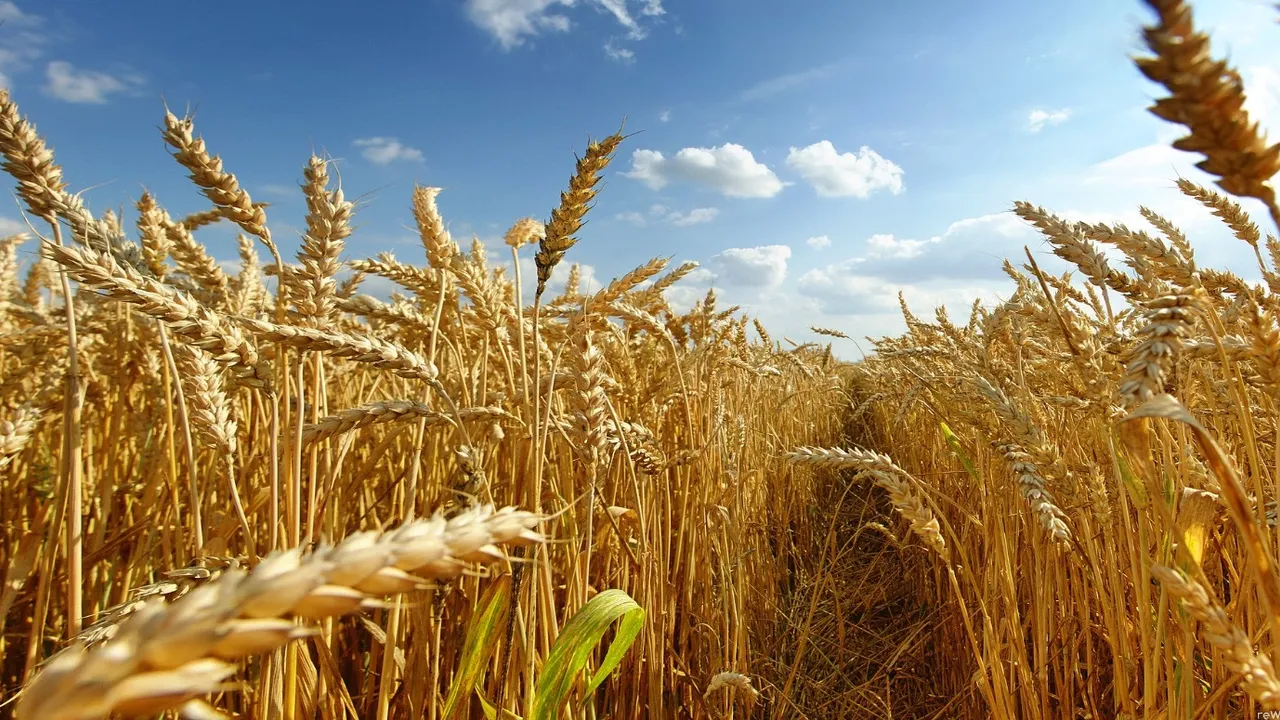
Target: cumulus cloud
point(71, 84)
point(971, 249)
point(762, 266)
point(844, 289)
point(820, 242)
point(848, 289)
point(664, 116)
point(836, 174)
point(1039, 119)
point(513, 22)
point(887, 246)
point(386, 150)
point(730, 169)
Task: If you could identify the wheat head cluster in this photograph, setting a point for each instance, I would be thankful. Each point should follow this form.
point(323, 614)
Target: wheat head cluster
point(264, 493)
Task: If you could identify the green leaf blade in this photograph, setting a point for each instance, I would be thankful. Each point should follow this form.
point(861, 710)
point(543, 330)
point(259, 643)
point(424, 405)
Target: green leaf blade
point(487, 624)
point(578, 640)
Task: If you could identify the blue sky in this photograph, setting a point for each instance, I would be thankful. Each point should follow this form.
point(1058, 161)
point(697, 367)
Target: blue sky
point(816, 156)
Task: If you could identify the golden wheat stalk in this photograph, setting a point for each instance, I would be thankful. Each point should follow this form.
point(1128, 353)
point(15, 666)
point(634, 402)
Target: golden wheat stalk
point(165, 654)
point(177, 310)
point(1207, 96)
point(566, 220)
point(1259, 676)
point(896, 481)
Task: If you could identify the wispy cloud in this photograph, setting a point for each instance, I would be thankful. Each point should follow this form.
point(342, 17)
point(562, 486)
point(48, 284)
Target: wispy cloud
point(513, 22)
point(661, 214)
point(22, 41)
point(74, 85)
point(281, 191)
point(696, 216)
point(386, 150)
point(766, 89)
point(620, 54)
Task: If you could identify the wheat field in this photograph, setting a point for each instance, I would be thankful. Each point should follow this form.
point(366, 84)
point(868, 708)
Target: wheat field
point(267, 494)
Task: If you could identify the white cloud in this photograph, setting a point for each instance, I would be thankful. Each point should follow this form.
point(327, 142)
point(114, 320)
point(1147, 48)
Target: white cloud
point(660, 213)
point(834, 174)
point(818, 242)
point(21, 42)
point(664, 116)
point(847, 289)
point(968, 250)
point(777, 85)
point(386, 150)
point(887, 246)
point(693, 217)
point(1154, 164)
point(1263, 103)
point(621, 54)
point(763, 266)
point(9, 226)
point(1004, 224)
point(588, 278)
point(731, 169)
point(618, 8)
point(1146, 176)
point(10, 13)
point(512, 22)
point(73, 85)
point(1038, 118)
point(844, 290)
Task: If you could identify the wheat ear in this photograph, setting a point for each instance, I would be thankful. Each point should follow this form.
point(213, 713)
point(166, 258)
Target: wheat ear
point(1207, 97)
point(169, 653)
point(566, 220)
point(1259, 675)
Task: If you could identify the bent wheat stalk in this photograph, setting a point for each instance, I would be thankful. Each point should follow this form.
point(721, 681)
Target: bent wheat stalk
point(167, 654)
point(389, 411)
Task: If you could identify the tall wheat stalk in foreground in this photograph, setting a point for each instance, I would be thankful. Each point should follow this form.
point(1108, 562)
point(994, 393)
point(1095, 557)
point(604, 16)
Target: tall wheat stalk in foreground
point(165, 654)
